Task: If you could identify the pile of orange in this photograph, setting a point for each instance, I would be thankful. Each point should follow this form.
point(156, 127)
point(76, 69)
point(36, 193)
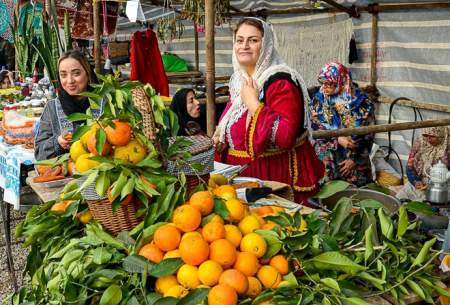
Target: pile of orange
point(225, 255)
point(119, 144)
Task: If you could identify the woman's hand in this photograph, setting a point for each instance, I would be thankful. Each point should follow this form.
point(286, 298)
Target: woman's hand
point(346, 142)
point(63, 142)
point(216, 140)
point(249, 95)
point(347, 167)
point(420, 185)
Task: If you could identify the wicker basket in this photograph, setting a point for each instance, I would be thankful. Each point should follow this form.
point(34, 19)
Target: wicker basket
point(123, 219)
point(202, 151)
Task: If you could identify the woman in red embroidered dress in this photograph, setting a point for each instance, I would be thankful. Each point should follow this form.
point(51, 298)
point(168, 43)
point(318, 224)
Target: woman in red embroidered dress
point(266, 121)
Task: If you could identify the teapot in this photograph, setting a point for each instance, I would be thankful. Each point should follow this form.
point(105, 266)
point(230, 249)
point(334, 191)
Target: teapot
point(437, 191)
point(439, 173)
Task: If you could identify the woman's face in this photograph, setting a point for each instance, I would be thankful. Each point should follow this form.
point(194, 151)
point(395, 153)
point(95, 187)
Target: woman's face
point(5, 83)
point(328, 88)
point(74, 79)
point(433, 140)
point(192, 105)
point(247, 46)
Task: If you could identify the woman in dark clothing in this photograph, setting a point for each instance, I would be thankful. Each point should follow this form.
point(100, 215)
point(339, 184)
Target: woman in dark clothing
point(54, 133)
point(191, 116)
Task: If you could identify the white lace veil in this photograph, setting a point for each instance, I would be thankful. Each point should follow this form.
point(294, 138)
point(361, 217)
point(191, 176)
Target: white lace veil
point(268, 64)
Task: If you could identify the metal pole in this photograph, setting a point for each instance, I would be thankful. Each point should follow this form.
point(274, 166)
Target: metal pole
point(210, 67)
point(97, 45)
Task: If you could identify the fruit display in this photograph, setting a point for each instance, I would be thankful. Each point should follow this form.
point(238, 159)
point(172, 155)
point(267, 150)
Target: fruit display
point(54, 169)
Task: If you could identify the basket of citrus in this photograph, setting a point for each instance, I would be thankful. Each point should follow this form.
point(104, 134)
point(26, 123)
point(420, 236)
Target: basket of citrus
point(117, 157)
point(223, 246)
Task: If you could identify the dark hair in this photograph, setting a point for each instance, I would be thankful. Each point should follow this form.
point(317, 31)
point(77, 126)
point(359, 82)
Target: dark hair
point(78, 56)
point(250, 21)
point(3, 75)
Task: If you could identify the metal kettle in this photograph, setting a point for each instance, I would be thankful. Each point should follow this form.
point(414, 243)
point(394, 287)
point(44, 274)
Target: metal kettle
point(437, 191)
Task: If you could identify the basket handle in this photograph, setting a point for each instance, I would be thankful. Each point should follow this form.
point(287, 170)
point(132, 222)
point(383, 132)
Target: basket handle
point(143, 104)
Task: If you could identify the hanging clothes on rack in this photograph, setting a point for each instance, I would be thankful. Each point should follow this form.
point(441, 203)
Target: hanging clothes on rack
point(146, 62)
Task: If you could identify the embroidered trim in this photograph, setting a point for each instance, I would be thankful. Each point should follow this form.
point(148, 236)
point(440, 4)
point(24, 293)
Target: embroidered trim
point(252, 129)
point(276, 123)
point(238, 153)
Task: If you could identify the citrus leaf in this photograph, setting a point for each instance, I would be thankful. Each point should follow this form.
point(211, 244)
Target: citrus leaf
point(79, 132)
point(133, 301)
point(356, 301)
point(151, 298)
point(136, 264)
point(331, 283)
point(331, 188)
point(118, 185)
point(220, 208)
point(102, 184)
point(419, 208)
point(368, 236)
point(340, 214)
point(166, 267)
point(75, 117)
point(128, 188)
point(334, 261)
point(111, 296)
point(423, 252)
point(402, 226)
point(90, 179)
point(167, 301)
point(370, 204)
point(119, 99)
point(101, 256)
point(100, 140)
point(273, 245)
point(197, 296)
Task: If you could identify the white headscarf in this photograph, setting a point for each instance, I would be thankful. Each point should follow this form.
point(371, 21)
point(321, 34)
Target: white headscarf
point(268, 64)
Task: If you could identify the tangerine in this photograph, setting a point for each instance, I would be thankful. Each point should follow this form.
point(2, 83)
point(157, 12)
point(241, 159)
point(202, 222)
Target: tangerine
point(133, 152)
point(209, 272)
point(223, 252)
point(249, 224)
point(255, 244)
point(167, 238)
point(269, 276)
point(119, 134)
point(247, 263)
point(254, 287)
point(187, 218)
point(203, 201)
point(213, 231)
point(187, 276)
point(233, 234)
point(163, 284)
point(235, 279)
point(222, 295)
point(172, 254)
point(176, 291)
point(236, 209)
point(194, 250)
point(76, 150)
point(280, 263)
point(152, 253)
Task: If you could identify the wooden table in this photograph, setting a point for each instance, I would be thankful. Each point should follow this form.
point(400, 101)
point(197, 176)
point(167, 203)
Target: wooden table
point(44, 193)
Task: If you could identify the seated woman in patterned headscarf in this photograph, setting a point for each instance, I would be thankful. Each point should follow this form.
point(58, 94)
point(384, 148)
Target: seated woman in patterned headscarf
point(338, 104)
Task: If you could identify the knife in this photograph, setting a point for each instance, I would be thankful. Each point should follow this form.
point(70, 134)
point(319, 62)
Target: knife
point(253, 194)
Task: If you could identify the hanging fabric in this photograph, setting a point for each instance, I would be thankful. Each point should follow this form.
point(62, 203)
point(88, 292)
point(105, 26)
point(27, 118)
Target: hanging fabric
point(105, 44)
point(146, 62)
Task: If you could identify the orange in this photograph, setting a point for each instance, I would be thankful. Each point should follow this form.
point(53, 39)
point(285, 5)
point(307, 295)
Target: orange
point(76, 150)
point(60, 207)
point(83, 163)
point(235, 279)
point(152, 253)
point(70, 165)
point(233, 234)
point(269, 225)
point(172, 254)
point(203, 201)
point(213, 231)
point(269, 277)
point(92, 141)
point(223, 252)
point(133, 152)
point(236, 209)
point(164, 283)
point(254, 287)
point(187, 218)
point(187, 276)
point(85, 217)
point(209, 272)
point(222, 295)
point(226, 192)
point(188, 234)
point(92, 131)
point(249, 224)
point(262, 211)
point(194, 250)
point(280, 263)
point(176, 291)
point(167, 238)
point(127, 200)
point(247, 263)
point(254, 243)
point(120, 134)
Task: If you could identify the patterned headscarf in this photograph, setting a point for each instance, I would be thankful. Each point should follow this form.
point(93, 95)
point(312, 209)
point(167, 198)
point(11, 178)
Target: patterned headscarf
point(268, 64)
point(339, 76)
point(343, 108)
point(429, 154)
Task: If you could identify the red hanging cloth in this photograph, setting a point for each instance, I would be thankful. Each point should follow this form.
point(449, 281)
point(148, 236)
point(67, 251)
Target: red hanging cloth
point(146, 62)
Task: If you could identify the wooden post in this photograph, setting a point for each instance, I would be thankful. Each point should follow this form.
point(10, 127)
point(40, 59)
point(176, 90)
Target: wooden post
point(97, 45)
point(197, 65)
point(343, 132)
point(210, 66)
point(373, 58)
